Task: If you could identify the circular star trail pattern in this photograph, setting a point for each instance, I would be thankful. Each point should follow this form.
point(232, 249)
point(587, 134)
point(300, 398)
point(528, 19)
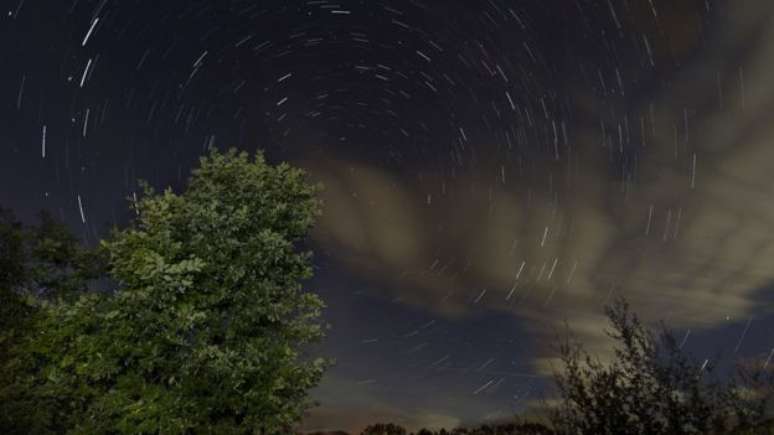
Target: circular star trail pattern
point(491, 167)
point(404, 84)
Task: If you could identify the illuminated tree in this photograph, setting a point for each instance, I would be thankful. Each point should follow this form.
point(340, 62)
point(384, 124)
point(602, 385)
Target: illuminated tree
point(206, 330)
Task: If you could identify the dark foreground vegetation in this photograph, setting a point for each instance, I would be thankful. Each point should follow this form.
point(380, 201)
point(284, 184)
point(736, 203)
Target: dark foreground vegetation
point(193, 320)
point(512, 429)
point(650, 387)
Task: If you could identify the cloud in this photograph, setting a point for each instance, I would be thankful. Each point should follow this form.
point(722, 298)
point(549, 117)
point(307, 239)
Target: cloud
point(687, 238)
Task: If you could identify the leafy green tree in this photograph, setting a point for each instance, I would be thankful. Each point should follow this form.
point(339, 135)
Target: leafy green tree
point(206, 331)
point(650, 387)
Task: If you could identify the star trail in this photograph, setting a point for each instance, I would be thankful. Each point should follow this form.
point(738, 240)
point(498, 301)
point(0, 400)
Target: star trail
point(491, 168)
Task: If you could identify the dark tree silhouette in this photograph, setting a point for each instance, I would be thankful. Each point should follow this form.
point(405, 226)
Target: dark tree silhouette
point(650, 387)
point(41, 262)
point(384, 429)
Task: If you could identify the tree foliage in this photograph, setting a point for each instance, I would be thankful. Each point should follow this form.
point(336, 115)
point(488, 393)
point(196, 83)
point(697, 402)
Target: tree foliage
point(42, 262)
point(205, 333)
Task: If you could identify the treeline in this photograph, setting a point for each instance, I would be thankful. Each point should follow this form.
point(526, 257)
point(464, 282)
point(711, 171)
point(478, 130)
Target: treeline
point(522, 428)
point(762, 428)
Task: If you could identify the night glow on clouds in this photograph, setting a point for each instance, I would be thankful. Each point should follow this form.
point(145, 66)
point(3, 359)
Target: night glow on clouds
point(690, 241)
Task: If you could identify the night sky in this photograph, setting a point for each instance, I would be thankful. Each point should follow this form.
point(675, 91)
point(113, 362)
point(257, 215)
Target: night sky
point(492, 169)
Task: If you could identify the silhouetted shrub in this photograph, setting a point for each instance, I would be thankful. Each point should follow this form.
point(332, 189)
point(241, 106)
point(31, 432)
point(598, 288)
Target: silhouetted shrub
point(652, 387)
